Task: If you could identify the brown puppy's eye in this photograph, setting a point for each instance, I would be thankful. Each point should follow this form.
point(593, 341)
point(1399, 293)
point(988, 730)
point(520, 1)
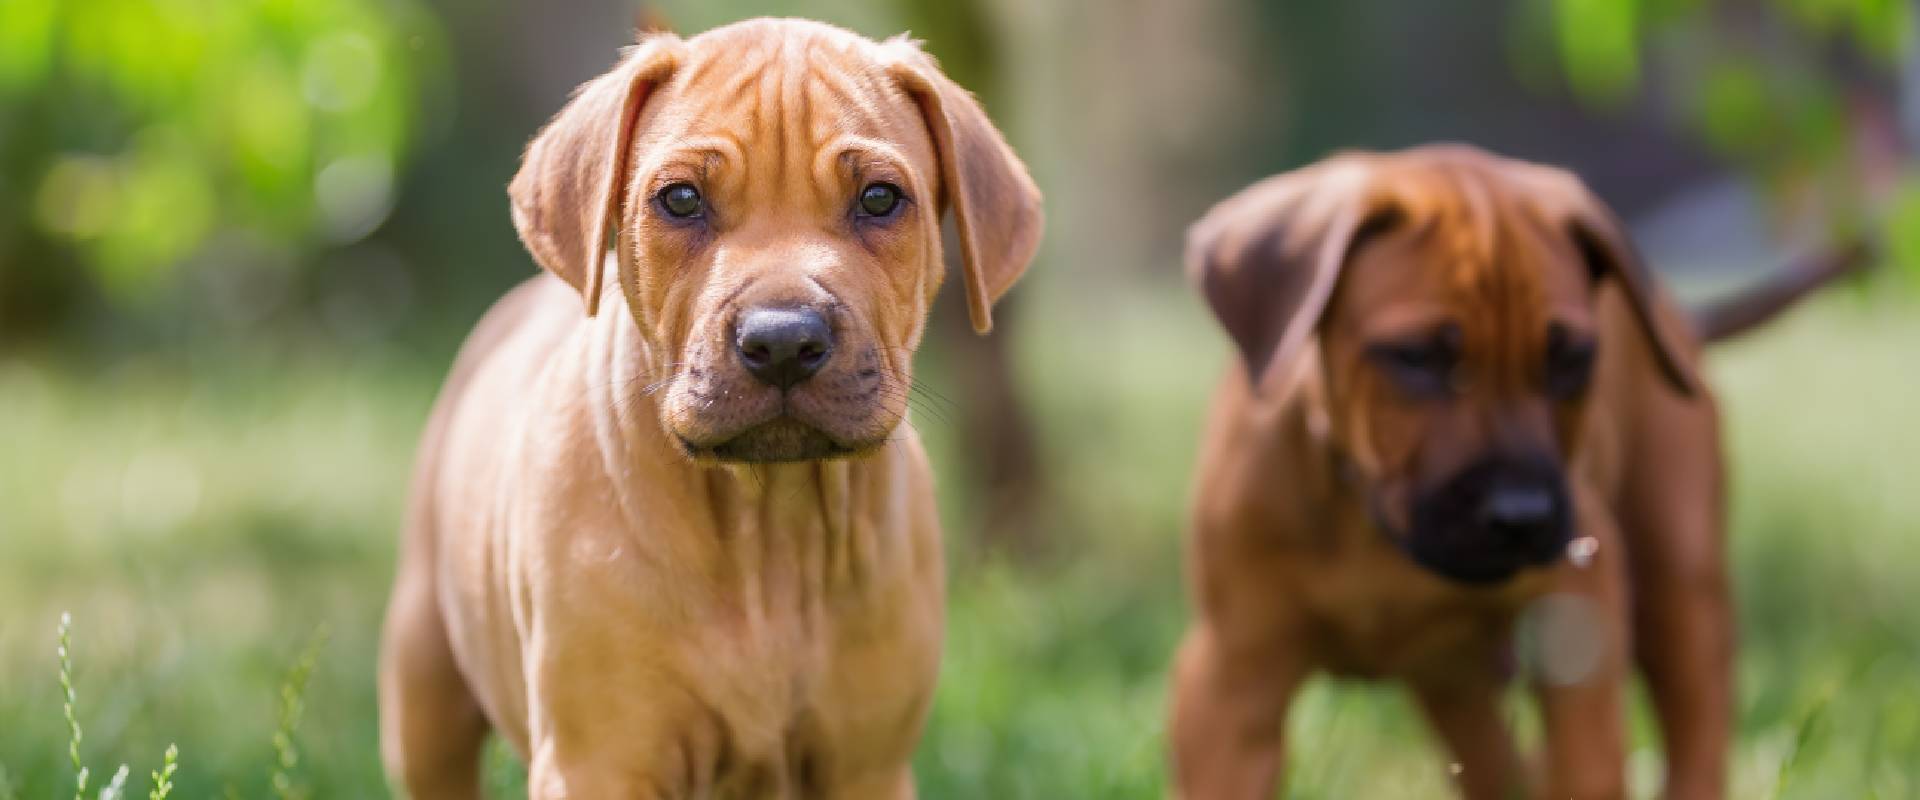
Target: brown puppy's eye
point(681, 201)
point(1423, 368)
point(879, 199)
point(1569, 364)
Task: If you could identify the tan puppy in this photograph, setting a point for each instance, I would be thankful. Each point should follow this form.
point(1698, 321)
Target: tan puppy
point(1465, 407)
point(686, 547)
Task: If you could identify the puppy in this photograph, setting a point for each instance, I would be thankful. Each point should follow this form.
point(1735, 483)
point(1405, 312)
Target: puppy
point(1463, 407)
point(686, 547)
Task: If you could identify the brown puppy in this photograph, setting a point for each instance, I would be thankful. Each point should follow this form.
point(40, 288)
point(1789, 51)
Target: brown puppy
point(1464, 408)
point(686, 547)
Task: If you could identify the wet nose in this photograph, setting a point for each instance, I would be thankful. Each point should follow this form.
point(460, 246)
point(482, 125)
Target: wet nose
point(782, 346)
point(1521, 514)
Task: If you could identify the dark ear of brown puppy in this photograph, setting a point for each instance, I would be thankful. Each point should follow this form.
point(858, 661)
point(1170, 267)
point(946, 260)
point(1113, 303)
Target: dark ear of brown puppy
point(1267, 259)
point(567, 195)
point(1610, 252)
point(996, 206)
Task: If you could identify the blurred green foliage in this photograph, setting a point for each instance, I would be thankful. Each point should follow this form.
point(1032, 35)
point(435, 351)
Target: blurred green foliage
point(137, 132)
point(1602, 43)
point(1778, 88)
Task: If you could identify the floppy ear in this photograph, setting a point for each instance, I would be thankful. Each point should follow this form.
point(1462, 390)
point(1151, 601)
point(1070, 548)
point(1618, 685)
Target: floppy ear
point(996, 207)
point(1610, 253)
point(1267, 259)
point(567, 195)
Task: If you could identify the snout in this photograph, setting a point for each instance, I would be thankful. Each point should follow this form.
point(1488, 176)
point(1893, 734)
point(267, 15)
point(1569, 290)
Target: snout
point(782, 346)
point(1522, 513)
point(1492, 520)
point(784, 376)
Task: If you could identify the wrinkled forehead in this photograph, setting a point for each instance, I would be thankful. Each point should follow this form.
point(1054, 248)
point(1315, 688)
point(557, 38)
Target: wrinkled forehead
point(1460, 244)
point(774, 95)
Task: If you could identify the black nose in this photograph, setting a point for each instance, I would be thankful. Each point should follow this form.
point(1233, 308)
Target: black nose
point(1520, 514)
point(782, 346)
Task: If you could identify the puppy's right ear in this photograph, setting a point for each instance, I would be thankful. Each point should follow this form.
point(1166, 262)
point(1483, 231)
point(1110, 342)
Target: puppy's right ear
point(1267, 259)
point(995, 204)
point(567, 195)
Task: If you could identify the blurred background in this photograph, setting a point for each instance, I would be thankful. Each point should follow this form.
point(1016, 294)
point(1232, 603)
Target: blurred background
point(240, 240)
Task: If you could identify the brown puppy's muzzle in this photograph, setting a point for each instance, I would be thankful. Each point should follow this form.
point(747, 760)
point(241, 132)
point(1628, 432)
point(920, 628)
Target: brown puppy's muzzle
point(785, 380)
point(1490, 520)
point(781, 346)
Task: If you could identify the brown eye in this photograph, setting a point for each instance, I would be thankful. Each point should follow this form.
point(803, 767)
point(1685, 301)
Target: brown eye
point(1423, 367)
point(1569, 364)
point(879, 199)
point(681, 201)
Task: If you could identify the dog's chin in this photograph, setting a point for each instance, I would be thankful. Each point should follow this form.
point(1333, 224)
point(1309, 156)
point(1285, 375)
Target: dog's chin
point(779, 440)
point(1476, 567)
point(1481, 571)
point(1473, 566)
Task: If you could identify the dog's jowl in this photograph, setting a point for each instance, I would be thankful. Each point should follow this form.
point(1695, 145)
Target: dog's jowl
point(670, 535)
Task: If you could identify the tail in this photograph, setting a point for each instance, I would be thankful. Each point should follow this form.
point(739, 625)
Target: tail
point(1756, 305)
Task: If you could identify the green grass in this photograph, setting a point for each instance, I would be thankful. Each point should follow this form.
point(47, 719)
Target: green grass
point(202, 516)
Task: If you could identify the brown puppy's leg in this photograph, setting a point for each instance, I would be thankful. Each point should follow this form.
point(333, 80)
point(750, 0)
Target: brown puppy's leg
point(894, 786)
point(1229, 716)
point(1466, 715)
point(431, 728)
point(593, 775)
point(1586, 739)
point(1684, 643)
point(1580, 668)
point(1674, 517)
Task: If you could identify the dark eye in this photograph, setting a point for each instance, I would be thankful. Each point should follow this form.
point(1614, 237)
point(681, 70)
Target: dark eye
point(1569, 364)
point(879, 199)
point(681, 201)
point(1423, 368)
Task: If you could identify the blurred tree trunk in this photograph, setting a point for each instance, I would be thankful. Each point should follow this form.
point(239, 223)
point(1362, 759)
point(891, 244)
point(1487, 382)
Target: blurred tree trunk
point(39, 285)
point(1000, 453)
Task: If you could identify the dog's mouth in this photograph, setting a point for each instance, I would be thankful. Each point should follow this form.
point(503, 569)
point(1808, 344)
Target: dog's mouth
point(782, 439)
point(1483, 568)
point(1441, 539)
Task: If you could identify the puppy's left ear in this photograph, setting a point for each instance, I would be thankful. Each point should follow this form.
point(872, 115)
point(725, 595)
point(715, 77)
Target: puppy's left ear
point(1267, 259)
point(1608, 249)
point(567, 195)
point(996, 206)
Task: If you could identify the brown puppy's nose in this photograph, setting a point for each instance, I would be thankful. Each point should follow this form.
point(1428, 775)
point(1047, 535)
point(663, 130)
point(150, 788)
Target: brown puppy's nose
point(782, 346)
point(1521, 512)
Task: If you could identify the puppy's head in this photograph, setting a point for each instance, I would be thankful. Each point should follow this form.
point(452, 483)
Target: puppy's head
point(1452, 297)
point(772, 191)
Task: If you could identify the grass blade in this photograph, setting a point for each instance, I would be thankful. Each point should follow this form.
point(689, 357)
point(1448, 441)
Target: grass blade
point(293, 706)
point(69, 700)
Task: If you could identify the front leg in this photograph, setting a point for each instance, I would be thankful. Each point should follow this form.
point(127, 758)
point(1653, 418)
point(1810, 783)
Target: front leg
point(891, 785)
point(607, 721)
point(620, 750)
point(1465, 714)
point(1673, 516)
point(551, 777)
point(1585, 737)
point(1579, 667)
point(1229, 715)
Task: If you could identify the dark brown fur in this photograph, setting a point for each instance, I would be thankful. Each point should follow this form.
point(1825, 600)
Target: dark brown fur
point(1312, 456)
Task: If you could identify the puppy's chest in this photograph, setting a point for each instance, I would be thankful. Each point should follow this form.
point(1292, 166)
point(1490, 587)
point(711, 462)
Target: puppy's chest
point(1371, 614)
point(793, 705)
